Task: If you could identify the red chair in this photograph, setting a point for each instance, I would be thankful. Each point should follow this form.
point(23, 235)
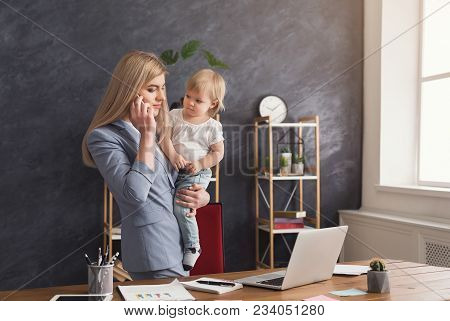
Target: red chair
point(209, 220)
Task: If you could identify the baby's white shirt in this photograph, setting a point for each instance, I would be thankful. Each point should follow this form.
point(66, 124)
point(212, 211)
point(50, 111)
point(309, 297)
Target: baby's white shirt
point(193, 141)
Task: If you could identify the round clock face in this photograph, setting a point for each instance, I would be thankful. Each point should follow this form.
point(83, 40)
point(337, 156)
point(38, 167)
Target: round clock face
point(273, 106)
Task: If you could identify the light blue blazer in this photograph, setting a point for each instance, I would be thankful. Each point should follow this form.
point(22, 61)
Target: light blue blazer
point(151, 238)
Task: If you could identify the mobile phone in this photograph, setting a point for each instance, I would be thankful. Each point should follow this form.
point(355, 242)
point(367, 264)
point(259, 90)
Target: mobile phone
point(82, 297)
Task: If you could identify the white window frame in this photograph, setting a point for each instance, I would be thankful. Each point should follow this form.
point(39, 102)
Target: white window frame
point(421, 80)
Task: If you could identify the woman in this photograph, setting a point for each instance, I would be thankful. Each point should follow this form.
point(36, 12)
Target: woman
point(121, 142)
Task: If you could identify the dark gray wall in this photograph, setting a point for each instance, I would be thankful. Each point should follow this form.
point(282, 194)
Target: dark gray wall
point(52, 76)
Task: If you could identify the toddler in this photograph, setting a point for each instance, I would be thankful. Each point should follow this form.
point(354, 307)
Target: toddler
point(193, 146)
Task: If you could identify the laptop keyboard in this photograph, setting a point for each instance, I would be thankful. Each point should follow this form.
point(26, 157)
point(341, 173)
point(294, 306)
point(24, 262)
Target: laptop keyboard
point(274, 282)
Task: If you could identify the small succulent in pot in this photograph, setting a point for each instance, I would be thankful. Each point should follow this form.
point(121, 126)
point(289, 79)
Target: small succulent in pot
point(284, 166)
point(378, 277)
point(377, 265)
point(298, 164)
point(266, 168)
point(285, 160)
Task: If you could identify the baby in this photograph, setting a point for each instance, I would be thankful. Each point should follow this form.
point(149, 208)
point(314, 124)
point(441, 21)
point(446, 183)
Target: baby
point(193, 146)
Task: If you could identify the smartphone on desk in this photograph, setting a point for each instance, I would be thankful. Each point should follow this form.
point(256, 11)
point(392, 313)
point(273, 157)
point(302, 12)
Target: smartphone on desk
point(82, 297)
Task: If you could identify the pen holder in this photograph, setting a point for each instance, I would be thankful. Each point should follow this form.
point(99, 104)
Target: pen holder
point(100, 279)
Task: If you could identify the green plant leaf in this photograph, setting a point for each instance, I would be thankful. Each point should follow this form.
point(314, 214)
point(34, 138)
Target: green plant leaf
point(169, 57)
point(190, 48)
point(213, 61)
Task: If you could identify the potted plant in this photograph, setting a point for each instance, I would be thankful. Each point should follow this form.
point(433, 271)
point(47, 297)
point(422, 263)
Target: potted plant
point(287, 155)
point(266, 168)
point(297, 164)
point(378, 277)
point(284, 166)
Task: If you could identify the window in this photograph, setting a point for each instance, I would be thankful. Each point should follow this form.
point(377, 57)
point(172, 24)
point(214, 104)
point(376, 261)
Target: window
point(434, 142)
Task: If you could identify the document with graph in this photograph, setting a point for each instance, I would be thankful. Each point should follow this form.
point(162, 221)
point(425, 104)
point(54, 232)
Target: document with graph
point(165, 292)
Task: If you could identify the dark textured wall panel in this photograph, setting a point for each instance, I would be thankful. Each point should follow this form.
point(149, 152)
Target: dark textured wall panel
point(55, 59)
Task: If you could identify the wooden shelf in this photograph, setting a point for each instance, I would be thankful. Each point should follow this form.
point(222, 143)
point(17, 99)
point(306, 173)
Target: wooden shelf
point(288, 178)
point(290, 125)
point(266, 228)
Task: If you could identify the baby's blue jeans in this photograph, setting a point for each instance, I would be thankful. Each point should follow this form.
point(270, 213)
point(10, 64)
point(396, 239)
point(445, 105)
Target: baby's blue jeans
point(188, 225)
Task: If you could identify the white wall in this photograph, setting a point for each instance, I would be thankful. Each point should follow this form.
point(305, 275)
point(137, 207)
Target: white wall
point(399, 87)
point(390, 199)
point(390, 113)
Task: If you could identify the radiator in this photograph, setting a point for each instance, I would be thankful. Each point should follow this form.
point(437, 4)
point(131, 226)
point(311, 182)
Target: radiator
point(437, 254)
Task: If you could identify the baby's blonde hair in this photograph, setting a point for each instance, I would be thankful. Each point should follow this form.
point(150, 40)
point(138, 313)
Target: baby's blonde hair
point(212, 84)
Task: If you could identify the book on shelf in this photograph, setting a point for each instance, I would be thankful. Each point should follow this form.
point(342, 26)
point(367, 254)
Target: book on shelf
point(288, 220)
point(289, 214)
point(116, 230)
point(281, 226)
point(287, 223)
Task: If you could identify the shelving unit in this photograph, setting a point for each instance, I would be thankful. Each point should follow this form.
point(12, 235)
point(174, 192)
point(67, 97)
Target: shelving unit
point(312, 220)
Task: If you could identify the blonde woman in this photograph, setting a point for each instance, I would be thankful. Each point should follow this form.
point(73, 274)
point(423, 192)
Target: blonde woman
point(121, 142)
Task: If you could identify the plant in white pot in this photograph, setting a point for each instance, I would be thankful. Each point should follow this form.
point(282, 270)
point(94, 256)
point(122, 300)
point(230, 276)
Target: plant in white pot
point(378, 277)
point(287, 155)
point(284, 166)
point(298, 165)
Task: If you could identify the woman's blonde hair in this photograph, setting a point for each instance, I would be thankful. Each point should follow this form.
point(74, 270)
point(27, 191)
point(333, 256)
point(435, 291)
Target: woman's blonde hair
point(212, 84)
point(132, 72)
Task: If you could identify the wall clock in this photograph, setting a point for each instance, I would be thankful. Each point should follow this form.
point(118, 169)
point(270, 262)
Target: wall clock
point(273, 106)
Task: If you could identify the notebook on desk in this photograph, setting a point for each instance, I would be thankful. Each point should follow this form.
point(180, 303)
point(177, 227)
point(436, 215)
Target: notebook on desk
point(313, 260)
point(212, 288)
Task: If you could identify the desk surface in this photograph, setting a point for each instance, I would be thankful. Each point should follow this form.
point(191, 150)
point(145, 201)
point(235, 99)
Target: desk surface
point(409, 281)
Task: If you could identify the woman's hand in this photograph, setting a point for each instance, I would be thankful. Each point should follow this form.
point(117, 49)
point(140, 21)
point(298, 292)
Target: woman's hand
point(141, 116)
point(178, 162)
point(194, 197)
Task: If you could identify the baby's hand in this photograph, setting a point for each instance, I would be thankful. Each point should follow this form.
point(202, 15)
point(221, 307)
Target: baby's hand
point(193, 168)
point(178, 162)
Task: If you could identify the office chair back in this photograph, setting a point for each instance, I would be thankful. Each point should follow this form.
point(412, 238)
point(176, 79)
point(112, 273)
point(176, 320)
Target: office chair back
point(209, 220)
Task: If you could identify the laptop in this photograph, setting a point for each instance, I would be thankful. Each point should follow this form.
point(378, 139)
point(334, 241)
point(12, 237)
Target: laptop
point(313, 260)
